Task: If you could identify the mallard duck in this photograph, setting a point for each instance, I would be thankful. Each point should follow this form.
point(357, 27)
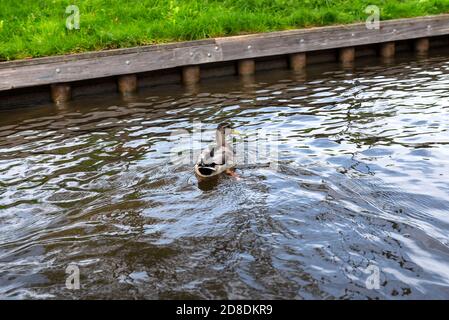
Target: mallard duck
point(218, 158)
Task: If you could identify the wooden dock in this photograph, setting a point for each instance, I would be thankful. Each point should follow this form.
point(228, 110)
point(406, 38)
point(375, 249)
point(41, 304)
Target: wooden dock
point(124, 65)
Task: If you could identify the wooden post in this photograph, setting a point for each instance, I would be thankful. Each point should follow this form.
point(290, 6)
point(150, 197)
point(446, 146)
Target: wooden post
point(127, 84)
point(190, 75)
point(246, 67)
point(298, 61)
point(347, 56)
point(422, 46)
point(387, 50)
point(61, 92)
point(247, 82)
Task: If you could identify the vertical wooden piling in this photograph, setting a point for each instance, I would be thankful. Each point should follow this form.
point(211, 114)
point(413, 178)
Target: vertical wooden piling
point(246, 67)
point(127, 84)
point(298, 61)
point(247, 83)
point(422, 46)
point(61, 92)
point(387, 50)
point(347, 56)
point(191, 75)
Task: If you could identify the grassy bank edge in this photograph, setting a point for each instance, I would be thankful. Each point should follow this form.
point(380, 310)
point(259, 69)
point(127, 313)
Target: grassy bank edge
point(25, 35)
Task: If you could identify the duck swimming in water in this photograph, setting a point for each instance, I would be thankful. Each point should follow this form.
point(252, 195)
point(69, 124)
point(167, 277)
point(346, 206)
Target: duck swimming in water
point(219, 158)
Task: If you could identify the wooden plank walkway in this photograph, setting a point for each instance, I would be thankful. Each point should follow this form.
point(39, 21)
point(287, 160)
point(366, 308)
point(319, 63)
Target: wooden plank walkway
point(66, 69)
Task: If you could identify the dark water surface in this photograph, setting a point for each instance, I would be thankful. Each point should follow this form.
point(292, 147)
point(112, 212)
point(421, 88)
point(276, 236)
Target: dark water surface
point(362, 180)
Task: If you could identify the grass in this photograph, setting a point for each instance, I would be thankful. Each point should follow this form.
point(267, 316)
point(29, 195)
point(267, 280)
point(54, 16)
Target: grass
point(36, 28)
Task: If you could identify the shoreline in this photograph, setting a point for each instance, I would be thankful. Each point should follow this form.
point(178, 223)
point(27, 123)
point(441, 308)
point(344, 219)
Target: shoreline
point(41, 29)
point(57, 75)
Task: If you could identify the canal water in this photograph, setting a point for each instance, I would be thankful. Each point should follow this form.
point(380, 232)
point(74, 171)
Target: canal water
point(356, 205)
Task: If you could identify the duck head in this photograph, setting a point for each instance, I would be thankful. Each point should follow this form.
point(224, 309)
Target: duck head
point(223, 130)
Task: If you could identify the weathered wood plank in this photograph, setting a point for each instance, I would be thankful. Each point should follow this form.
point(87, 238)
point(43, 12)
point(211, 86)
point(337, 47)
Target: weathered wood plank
point(313, 39)
point(44, 71)
point(106, 53)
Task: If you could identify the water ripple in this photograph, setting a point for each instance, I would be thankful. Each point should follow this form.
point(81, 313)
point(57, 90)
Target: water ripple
point(361, 180)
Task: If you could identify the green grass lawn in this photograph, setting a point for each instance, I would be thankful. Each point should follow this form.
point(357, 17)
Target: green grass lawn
point(35, 28)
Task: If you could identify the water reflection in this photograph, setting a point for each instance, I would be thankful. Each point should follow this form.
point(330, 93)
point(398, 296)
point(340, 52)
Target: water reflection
point(361, 180)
